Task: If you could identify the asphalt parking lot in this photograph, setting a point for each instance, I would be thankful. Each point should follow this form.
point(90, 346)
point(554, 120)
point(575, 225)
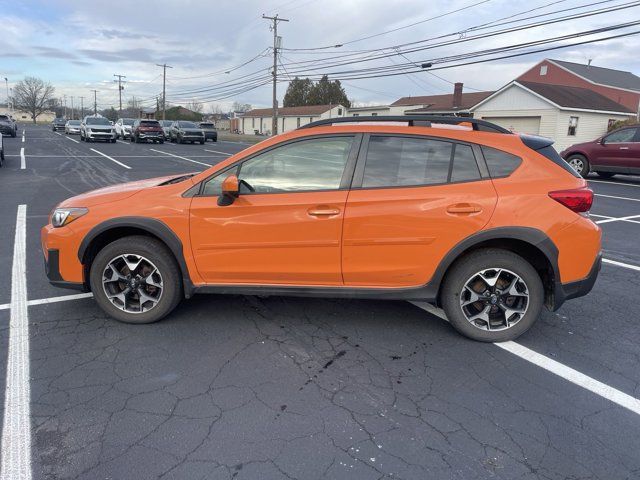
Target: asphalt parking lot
point(261, 388)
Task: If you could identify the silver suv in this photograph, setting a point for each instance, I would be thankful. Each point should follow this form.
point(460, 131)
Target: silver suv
point(97, 128)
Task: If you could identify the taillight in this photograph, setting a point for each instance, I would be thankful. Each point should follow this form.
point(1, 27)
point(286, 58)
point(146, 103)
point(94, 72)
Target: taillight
point(578, 200)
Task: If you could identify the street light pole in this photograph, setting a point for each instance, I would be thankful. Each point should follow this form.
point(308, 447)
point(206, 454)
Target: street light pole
point(6, 81)
point(81, 108)
point(72, 116)
point(276, 45)
point(95, 102)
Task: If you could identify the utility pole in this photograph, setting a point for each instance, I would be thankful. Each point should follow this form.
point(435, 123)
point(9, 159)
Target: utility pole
point(65, 106)
point(95, 102)
point(164, 88)
point(120, 87)
point(276, 44)
point(72, 112)
point(6, 81)
point(81, 108)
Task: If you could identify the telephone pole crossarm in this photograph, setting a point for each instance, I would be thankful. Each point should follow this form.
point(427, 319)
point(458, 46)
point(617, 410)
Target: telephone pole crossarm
point(276, 46)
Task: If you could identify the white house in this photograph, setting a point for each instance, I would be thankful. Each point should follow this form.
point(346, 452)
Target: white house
point(259, 120)
point(563, 113)
point(25, 117)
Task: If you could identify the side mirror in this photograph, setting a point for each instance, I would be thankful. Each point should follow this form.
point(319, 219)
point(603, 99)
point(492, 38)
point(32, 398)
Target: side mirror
point(601, 141)
point(230, 191)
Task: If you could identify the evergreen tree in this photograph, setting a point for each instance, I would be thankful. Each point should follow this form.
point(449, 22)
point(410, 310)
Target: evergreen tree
point(298, 92)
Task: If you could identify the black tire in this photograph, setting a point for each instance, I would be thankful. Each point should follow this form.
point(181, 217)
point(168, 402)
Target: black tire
point(201, 142)
point(162, 258)
point(491, 258)
point(1, 158)
point(161, 142)
point(580, 164)
point(113, 140)
point(606, 174)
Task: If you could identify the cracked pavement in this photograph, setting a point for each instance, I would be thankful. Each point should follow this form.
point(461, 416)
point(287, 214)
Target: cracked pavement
point(233, 387)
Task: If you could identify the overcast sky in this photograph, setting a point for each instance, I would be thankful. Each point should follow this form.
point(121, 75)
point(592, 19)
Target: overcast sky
point(79, 45)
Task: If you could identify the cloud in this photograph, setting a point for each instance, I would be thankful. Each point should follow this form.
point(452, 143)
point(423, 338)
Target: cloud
point(54, 52)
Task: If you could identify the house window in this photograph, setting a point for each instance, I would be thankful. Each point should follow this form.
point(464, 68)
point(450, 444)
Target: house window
point(543, 70)
point(356, 114)
point(339, 112)
point(374, 114)
point(573, 126)
point(298, 122)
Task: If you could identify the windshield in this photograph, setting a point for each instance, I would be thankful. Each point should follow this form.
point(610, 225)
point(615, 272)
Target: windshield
point(127, 121)
point(59, 120)
point(207, 125)
point(166, 123)
point(97, 121)
point(4, 117)
point(74, 122)
point(187, 125)
point(149, 123)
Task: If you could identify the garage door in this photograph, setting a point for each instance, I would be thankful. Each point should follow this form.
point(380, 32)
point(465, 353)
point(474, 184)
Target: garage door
point(530, 125)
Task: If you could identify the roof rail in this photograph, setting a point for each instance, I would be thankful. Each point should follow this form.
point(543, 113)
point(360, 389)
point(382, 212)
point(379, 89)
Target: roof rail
point(413, 121)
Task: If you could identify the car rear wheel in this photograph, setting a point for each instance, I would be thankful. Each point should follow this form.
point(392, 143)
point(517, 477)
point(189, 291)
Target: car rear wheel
point(136, 280)
point(492, 295)
point(580, 164)
point(605, 174)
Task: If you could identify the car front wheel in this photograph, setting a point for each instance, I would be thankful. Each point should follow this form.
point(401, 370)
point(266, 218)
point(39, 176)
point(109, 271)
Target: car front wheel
point(580, 164)
point(136, 280)
point(492, 295)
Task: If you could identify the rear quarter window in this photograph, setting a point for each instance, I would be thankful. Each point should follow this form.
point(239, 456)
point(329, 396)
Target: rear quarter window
point(499, 163)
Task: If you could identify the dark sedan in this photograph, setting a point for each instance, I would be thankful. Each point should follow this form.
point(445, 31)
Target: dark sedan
point(183, 132)
point(58, 124)
point(7, 126)
point(210, 132)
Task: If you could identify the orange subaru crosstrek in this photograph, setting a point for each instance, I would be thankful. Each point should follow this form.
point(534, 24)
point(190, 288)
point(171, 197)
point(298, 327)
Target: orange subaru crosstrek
point(459, 212)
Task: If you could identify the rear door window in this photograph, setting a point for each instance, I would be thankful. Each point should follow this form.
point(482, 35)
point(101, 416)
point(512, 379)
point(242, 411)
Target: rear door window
point(402, 161)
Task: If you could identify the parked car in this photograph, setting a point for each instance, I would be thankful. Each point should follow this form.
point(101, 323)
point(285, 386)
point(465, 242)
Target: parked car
point(210, 132)
point(123, 127)
point(183, 132)
point(487, 224)
point(58, 124)
point(72, 127)
point(147, 130)
point(97, 128)
point(617, 152)
point(166, 128)
point(7, 126)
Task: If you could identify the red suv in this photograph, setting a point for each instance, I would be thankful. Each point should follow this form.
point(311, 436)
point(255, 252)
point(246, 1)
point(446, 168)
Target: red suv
point(617, 152)
point(147, 130)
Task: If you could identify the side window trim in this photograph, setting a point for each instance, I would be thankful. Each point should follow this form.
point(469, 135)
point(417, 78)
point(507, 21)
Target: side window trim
point(347, 174)
point(358, 176)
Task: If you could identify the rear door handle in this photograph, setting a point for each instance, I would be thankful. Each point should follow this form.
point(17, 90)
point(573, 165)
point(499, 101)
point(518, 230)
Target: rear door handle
point(463, 208)
point(323, 211)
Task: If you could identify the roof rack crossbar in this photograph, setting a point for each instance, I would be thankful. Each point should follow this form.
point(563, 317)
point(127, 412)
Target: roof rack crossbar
point(413, 121)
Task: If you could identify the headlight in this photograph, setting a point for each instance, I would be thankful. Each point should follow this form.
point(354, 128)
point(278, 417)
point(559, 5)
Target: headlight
point(64, 216)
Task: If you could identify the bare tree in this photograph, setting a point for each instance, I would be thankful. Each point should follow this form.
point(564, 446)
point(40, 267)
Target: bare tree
point(195, 106)
point(33, 95)
point(241, 107)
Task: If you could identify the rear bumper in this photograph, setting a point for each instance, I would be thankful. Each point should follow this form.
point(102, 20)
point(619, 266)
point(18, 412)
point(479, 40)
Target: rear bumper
point(52, 269)
point(579, 288)
point(211, 136)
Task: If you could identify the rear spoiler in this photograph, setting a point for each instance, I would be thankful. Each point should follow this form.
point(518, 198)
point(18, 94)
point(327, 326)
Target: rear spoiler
point(535, 142)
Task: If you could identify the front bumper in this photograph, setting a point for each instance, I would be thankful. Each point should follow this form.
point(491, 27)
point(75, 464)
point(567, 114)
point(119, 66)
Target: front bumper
point(211, 136)
point(151, 135)
point(6, 130)
point(52, 269)
point(579, 288)
point(100, 135)
point(73, 130)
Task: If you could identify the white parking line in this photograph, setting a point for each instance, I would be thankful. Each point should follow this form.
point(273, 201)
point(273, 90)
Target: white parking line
point(122, 141)
point(618, 219)
point(221, 153)
point(58, 133)
point(23, 136)
point(45, 301)
point(112, 159)
point(182, 158)
point(620, 264)
point(16, 426)
point(615, 183)
point(23, 160)
point(613, 218)
point(557, 368)
point(617, 198)
point(72, 139)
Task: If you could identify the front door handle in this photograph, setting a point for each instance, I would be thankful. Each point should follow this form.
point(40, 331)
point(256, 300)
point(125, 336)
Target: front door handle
point(464, 208)
point(624, 148)
point(323, 211)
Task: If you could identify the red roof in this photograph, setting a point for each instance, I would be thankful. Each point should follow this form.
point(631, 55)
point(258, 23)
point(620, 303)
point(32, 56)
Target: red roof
point(307, 110)
point(429, 103)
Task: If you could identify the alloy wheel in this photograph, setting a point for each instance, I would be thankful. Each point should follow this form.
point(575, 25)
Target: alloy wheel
point(494, 299)
point(132, 283)
point(577, 164)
